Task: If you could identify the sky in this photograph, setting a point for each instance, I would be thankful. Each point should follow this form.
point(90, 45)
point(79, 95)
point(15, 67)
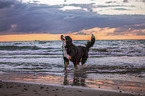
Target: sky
point(28, 20)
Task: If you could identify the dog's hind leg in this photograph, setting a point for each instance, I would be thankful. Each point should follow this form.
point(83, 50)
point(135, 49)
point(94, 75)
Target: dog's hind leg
point(83, 61)
point(75, 65)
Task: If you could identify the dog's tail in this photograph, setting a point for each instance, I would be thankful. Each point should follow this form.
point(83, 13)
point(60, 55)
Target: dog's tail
point(90, 43)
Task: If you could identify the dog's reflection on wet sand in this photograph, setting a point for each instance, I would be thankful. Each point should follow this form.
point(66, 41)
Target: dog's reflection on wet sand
point(78, 78)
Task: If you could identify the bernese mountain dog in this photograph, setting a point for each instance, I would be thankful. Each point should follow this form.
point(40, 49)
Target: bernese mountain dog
point(76, 54)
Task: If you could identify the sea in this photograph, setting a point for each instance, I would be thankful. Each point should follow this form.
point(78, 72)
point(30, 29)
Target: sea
point(116, 60)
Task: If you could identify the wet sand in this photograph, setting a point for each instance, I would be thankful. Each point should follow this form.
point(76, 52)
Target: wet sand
point(16, 84)
point(11, 88)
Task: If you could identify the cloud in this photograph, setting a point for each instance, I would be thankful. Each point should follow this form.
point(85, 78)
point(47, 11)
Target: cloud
point(97, 31)
point(121, 9)
point(141, 32)
point(23, 18)
point(126, 30)
point(137, 29)
point(5, 4)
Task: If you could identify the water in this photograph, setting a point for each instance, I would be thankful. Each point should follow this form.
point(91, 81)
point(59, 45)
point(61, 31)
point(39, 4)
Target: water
point(106, 56)
point(121, 62)
point(116, 56)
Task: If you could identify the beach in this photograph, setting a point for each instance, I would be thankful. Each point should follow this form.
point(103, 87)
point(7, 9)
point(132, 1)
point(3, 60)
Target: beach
point(114, 68)
point(13, 88)
point(47, 85)
point(103, 40)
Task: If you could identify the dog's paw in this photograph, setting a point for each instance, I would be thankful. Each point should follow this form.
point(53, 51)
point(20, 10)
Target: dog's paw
point(81, 67)
point(84, 66)
point(69, 57)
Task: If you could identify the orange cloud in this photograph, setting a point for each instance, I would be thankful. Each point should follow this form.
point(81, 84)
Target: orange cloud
point(110, 34)
point(98, 31)
point(100, 34)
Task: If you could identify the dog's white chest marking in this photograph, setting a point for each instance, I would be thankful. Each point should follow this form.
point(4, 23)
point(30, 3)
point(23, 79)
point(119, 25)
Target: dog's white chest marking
point(64, 50)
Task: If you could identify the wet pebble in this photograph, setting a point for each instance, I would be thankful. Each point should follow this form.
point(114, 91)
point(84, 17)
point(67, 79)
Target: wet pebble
point(79, 90)
point(41, 87)
point(25, 89)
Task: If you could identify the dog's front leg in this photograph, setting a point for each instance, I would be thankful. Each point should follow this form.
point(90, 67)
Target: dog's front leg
point(66, 62)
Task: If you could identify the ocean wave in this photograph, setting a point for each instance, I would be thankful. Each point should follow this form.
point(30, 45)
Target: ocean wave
point(41, 67)
point(100, 49)
point(115, 69)
point(22, 48)
point(117, 51)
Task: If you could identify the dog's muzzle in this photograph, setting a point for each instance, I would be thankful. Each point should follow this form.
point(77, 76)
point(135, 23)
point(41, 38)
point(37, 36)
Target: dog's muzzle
point(62, 37)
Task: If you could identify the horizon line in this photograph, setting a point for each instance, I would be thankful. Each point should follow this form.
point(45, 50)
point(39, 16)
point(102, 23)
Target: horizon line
point(56, 37)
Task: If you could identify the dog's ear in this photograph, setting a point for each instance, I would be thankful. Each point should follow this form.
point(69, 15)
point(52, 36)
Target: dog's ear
point(62, 37)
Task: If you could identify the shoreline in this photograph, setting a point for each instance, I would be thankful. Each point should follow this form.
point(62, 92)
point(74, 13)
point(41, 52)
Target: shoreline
point(21, 88)
point(24, 84)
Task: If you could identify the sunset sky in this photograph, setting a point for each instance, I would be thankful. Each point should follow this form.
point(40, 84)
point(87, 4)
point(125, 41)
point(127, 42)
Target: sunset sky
point(28, 20)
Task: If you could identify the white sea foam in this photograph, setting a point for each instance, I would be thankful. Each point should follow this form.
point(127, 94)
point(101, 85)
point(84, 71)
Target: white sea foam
point(46, 56)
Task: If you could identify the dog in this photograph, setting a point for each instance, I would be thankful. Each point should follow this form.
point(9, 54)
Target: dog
point(76, 54)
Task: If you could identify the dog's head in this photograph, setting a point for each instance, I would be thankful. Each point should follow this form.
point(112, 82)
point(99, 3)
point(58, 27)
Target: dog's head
point(66, 39)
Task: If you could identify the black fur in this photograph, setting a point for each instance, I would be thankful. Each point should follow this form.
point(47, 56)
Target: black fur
point(77, 53)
